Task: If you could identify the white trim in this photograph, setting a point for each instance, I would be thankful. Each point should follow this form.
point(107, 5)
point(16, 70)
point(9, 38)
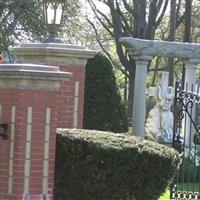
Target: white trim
point(28, 150)
point(46, 152)
point(11, 154)
point(76, 102)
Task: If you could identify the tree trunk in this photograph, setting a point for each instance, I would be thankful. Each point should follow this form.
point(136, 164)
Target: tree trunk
point(125, 88)
point(187, 32)
point(156, 71)
point(188, 15)
point(170, 62)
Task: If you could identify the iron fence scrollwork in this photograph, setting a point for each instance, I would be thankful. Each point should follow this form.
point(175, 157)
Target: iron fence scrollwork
point(186, 184)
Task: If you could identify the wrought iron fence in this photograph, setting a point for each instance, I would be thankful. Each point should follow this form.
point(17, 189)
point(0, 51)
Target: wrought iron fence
point(186, 183)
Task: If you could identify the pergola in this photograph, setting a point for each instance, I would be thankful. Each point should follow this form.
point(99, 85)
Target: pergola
point(142, 51)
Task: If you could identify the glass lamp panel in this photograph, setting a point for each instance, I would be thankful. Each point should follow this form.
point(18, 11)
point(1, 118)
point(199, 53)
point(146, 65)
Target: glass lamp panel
point(51, 14)
point(59, 11)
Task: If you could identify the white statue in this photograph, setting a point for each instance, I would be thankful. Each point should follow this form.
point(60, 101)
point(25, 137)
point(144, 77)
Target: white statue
point(159, 124)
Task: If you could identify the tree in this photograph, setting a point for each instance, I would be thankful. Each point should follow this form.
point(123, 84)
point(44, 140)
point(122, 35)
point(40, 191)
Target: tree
point(172, 33)
point(22, 20)
point(138, 18)
point(188, 15)
point(103, 109)
point(187, 32)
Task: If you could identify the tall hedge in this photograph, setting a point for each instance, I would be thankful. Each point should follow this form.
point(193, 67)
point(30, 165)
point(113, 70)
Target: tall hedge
point(96, 165)
point(103, 109)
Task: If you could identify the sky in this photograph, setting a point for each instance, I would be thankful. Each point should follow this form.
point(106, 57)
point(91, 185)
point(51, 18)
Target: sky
point(100, 6)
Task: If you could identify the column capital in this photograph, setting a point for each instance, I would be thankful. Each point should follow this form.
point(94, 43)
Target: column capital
point(139, 58)
point(191, 63)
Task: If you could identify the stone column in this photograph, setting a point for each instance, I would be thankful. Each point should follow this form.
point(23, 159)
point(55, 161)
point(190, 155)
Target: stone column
point(189, 84)
point(139, 101)
point(190, 73)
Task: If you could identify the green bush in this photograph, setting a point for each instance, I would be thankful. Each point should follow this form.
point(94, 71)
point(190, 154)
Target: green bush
point(94, 165)
point(103, 109)
point(197, 138)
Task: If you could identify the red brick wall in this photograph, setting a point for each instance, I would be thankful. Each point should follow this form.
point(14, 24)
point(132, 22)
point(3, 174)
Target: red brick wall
point(67, 97)
point(62, 116)
point(4, 153)
point(39, 100)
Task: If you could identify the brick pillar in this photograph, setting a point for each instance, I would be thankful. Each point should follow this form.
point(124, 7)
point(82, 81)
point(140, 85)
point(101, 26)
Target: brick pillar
point(29, 101)
point(70, 58)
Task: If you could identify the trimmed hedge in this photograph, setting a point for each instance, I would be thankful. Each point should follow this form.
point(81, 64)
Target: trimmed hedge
point(96, 165)
point(103, 108)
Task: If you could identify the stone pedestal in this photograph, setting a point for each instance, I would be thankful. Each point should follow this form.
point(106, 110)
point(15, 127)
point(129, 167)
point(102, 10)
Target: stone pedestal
point(29, 101)
point(70, 58)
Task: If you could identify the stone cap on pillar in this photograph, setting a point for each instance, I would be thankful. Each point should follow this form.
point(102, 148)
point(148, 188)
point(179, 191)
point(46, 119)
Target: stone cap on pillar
point(30, 76)
point(52, 54)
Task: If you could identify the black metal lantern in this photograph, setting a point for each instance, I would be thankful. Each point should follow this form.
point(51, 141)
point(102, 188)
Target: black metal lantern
point(53, 12)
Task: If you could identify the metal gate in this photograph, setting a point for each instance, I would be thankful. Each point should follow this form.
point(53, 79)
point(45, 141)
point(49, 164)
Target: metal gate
point(186, 139)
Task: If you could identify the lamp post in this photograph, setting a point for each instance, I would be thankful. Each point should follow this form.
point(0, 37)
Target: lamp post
point(53, 12)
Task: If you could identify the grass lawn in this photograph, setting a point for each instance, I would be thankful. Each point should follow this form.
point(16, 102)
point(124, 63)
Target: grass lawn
point(165, 196)
point(184, 186)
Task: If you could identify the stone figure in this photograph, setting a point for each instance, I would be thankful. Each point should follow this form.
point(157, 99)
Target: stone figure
point(159, 124)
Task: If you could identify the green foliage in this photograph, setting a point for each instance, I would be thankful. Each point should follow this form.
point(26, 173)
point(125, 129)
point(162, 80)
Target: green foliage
point(103, 109)
point(197, 138)
point(96, 165)
point(22, 20)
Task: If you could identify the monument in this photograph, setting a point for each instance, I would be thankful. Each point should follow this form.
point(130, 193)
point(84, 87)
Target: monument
point(159, 124)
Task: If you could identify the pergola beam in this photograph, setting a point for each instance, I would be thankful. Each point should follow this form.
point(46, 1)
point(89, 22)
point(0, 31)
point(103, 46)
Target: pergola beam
point(139, 47)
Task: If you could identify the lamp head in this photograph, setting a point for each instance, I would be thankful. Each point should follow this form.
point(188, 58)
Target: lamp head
point(53, 12)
